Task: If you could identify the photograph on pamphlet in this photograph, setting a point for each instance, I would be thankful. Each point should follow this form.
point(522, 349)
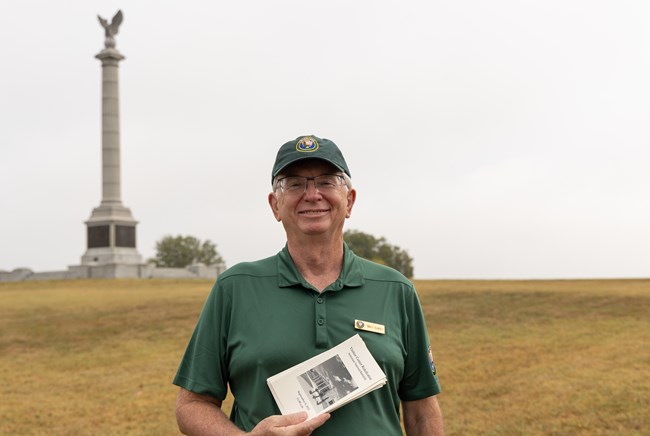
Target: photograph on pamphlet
point(327, 383)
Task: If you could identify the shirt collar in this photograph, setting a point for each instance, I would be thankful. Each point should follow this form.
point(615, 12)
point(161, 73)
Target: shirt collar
point(351, 273)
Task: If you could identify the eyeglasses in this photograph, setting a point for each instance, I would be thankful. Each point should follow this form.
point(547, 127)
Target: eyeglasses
point(298, 184)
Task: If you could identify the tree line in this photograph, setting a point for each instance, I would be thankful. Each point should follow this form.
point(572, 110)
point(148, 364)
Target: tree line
point(182, 251)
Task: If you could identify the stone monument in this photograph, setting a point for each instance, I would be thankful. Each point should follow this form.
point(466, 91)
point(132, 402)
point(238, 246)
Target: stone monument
point(111, 236)
point(111, 250)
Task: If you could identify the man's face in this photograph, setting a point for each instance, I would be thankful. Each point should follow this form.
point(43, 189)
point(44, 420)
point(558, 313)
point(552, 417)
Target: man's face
point(313, 211)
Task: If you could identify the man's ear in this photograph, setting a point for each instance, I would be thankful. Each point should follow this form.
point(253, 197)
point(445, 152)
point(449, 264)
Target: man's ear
point(273, 202)
point(352, 197)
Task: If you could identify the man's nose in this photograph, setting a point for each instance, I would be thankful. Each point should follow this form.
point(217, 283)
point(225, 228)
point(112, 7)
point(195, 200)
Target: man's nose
point(311, 190)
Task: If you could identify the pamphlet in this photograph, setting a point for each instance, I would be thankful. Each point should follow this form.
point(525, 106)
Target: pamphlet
point(327, 381)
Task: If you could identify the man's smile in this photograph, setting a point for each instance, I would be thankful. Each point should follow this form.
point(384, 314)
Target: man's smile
point(313, 211)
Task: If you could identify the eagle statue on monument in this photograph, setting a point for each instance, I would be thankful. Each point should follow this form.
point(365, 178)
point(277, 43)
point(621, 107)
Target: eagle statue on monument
point(110, 30)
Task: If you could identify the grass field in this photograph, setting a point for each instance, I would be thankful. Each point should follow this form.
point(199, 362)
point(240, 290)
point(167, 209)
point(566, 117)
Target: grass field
point(513, 357)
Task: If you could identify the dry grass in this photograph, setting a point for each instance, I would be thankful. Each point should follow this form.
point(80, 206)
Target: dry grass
point(514, 357)
point(93, 357)
point(542, 357)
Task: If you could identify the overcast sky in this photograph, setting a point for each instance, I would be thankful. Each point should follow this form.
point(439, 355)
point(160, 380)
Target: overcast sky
point(500, 139)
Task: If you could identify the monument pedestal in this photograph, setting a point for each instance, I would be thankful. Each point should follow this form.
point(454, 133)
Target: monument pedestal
point(111, 237)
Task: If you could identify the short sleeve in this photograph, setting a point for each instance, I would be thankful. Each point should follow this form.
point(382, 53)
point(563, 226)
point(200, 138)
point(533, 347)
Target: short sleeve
point(203, 369)
point(420, 379)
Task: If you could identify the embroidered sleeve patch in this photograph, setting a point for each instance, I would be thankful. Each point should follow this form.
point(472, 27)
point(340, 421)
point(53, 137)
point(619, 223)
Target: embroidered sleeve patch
point(433, 365)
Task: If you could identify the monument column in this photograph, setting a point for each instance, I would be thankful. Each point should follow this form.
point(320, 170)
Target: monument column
point(110, 125)
point(111, 227)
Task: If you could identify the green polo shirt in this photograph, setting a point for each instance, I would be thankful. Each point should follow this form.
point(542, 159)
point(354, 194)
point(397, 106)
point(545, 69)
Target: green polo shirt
point(263, 317)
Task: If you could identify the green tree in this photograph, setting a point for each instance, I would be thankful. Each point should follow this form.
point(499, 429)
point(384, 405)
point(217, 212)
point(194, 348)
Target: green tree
point(181, 251)
point(379, 250)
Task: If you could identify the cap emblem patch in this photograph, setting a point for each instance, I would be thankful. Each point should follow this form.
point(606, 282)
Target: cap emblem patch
point(307, 144)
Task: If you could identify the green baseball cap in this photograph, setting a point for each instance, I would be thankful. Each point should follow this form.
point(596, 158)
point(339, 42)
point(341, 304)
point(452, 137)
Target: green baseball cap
point(309, 147)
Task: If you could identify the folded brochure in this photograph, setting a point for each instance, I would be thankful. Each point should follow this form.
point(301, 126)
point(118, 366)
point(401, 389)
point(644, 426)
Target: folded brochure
point(329, 380)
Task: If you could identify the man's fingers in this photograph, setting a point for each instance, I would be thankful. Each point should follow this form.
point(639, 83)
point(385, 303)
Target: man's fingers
point(308, 426)
point(290, 419)
point(277, 424)
point(319, 420)
point(294, 424)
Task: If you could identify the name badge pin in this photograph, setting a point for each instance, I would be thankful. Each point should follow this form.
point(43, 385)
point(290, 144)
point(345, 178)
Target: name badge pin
point(369, 327)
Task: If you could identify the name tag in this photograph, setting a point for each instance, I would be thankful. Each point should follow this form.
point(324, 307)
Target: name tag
point(369, 327)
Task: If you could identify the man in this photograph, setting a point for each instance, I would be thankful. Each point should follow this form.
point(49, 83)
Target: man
point(266, 316)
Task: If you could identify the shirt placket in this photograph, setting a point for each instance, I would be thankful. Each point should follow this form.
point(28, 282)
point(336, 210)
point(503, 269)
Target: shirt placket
point(320, 303)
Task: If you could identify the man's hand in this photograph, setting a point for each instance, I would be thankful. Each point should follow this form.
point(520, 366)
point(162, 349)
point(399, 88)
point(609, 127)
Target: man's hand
point(199, 415)
point(294, 424)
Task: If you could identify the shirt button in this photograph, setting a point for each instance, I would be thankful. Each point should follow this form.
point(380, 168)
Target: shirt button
point(320, 300)
point(321, 321)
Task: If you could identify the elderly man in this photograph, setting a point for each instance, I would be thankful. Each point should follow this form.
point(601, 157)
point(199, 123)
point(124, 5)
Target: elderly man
point(263, 317)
